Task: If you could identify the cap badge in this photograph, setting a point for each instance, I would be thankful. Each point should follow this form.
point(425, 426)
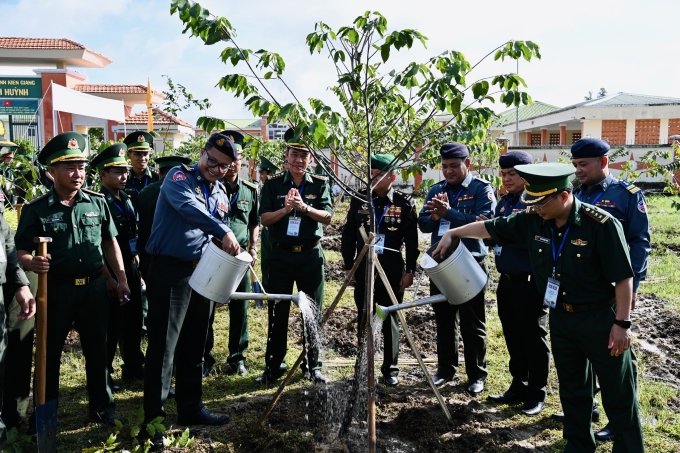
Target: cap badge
point(220, 142)
point(121, 153)
point(141, 139)
point(72, 144)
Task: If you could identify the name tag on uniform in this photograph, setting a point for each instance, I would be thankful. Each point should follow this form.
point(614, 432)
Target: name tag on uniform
point(379, 243)
point(497, 250)
point(551, 292)
point(133, 245)
point(444, 226)
point(293, 226)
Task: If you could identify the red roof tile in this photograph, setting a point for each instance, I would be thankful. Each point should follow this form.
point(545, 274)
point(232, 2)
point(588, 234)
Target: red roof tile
point(43, 43)
point(118, 89)
point(159, 117)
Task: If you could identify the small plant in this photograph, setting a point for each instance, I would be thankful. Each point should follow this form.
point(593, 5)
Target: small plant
point(14, 441)
point(111, 443)
point(184, 440)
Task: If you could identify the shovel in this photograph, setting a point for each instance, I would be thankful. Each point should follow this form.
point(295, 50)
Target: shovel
point(45, 412)
point(256, 287)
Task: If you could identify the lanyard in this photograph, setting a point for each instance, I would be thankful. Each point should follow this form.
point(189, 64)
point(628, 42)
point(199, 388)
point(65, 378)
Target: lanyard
point(300, 190)
point(513, 208)
point(378, 222)
point(457, 195)
point(134, 183)
point(556, 256)
point(235, 199)
point(126, 213)
point(206, 194)
point(595, 200)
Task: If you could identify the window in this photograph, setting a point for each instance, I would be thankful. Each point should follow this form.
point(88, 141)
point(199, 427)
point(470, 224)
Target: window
point(576, 136)
point(614, 131)
point(554, 140)
point(276, 131)
point(673, 128)
point(647, 132)
point(535, 139)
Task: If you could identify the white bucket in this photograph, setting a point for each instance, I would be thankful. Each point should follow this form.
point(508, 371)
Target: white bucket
point(218, 274)
point(459, 277)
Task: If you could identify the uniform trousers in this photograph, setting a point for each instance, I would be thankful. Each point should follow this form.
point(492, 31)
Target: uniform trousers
point(579, 340)
point(125, 328)
point(524, 319)
point(177, 328)
point(287, 268)
point(85, 306)
point(470, 319)
point(393, 265)
point(265, 250)
point(3, 358)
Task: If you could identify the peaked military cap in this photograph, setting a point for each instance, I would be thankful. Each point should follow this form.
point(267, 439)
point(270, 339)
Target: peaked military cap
point(236, 137)
point(139, 141)
point(381, 161)
point(589, 147)
point(171, 161)
point(289, 138)
point(223, 144)
point(454, 150)
point(65, 147)
point(113, 156)
point(266, 164)
point(541, 180)
point(512, 158)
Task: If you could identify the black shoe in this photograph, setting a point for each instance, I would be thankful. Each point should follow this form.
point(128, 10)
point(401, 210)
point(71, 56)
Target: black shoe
point(156, 440)
point(171, 393)
point(238, 368)
point(108, 419)
point(391, 381)
point(558, 417)
point(11, 422)
point(317, 377)
point(532, 408)
point(115, 388)
point(440, 378)
point(264, 379)
point(510, 396)
point(202, 417)
point(605, 434)
point(476, 387)
point(595, 417)
point(206, 370)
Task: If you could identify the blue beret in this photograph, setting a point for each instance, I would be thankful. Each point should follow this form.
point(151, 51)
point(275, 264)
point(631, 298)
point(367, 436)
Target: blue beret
point(509, 160)
point(589, 147)
point(454, 150)
point(224, 144)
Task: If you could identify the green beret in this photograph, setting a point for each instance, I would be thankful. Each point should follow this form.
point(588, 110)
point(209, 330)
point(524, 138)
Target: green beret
point(266, 164)
point(171, 161)
point(381, 161)
point(541, 180)
point(139, 141)
point(67, 146)
point(235, 137)
point(113, 156)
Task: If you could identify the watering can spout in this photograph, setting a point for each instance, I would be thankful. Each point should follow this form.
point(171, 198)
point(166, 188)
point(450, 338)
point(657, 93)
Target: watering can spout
point(381, 312)
point(384, 312)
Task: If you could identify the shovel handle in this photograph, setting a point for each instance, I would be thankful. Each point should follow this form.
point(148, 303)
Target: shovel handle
point(41, 330)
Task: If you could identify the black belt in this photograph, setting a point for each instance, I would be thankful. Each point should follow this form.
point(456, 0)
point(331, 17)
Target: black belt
point(171, 260)
point(295, 248)
point(76, 281)
point(522, 277)
point(578, 308)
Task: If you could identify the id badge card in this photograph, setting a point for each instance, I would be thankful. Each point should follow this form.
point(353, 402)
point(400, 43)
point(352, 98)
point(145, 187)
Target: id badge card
point(551, 292)
point(293, 226)
point(133, 246)
point(379, 243)
point(444, 226)
point(497, 250)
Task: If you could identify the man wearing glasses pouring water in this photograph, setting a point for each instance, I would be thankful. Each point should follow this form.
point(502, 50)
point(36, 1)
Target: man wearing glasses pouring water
point(581, 264)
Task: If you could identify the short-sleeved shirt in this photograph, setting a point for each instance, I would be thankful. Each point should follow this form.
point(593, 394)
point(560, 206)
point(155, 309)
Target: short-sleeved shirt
point(124, 217)
point(189, 211)
point(134, 186)
point(315, 193)
point(77, 231)
point(626, 203)
point(471, 198)
point(244, 205)
point(594, 257)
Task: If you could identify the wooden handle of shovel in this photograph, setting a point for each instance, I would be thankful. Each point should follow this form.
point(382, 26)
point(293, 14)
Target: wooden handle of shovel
point(41, 330)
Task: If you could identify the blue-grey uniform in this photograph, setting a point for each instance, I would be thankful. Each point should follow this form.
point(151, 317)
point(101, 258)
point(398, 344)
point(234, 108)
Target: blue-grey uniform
point(189, 211)
point(471, 198)
point(625, 202)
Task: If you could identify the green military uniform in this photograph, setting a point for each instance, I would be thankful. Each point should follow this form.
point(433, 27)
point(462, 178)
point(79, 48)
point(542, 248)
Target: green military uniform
point(7, 174)
point(293, 260)
point(593, 255)
point(243, 215)
point(396, 219)
point(139, 141)
point(265, 242)
point(75, 290)
point(125, 322)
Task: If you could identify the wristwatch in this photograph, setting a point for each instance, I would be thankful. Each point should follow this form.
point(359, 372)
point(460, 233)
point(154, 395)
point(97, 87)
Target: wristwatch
point(309, 208)
point(624, 323)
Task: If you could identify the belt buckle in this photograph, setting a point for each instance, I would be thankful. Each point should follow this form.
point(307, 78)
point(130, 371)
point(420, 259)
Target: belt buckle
point(80, 281)
point(297, 248)
point(568, 307)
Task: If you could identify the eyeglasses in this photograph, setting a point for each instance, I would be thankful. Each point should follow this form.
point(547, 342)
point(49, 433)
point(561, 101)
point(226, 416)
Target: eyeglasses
point(543, 205)
point(212, 163)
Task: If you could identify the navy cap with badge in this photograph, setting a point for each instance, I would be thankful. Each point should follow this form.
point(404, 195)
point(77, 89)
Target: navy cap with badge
point(512, 158)
point(454, 150)
point(224, 144)
point(589, 147)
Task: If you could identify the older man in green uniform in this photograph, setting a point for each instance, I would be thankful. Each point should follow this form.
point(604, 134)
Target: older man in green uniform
point(80, 225)
point(396, 224)
point(139, 145)
point(294, 206)
point(125, 322)
point(265, 170)
point(582, 266)
point(244, 221)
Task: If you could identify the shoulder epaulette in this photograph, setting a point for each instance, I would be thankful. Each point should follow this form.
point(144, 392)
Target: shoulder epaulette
point(92, 192)
point(404, 195)
point(252, 185)
point(276, 176)
point(599, 215)
point(187, 168)
point(443, 181)
point(630, 187)
point(482, 180)
point(36, 199)
point(322, 178)
point(530, 210)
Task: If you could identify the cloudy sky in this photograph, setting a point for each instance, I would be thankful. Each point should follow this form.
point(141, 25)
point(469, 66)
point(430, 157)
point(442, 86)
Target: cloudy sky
point(622, 45)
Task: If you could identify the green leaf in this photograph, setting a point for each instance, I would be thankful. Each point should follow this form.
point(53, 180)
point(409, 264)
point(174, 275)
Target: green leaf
point(159, 427)
point(134, 431)
point(184, 439)
point(140, 412)
point(268, 75)
point(151, 430)
point(385, 52)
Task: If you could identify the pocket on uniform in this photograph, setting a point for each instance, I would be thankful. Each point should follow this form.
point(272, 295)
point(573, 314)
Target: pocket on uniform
point(92, 228)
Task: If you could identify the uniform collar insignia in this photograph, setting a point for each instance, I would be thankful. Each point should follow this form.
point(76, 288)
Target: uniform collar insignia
point(198, 190)
point(579, 242)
